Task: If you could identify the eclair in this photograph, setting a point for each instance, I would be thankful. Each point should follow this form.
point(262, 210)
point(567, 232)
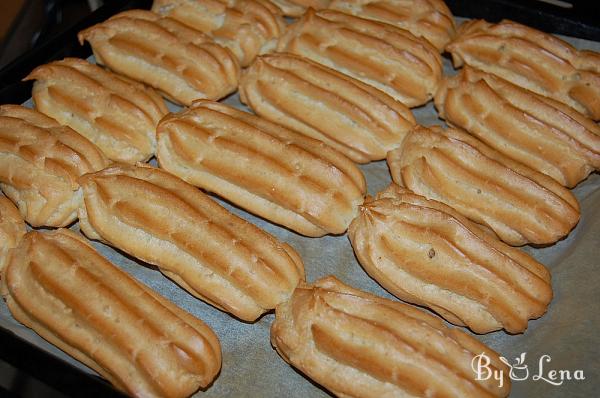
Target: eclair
point(12, 228)
point(213, 254)
point(40, 162)
point(542, 133)
point(430, 19)
point(278, 174)
point(356, 119)
point(533, 60)
point(182, 63)
point(393, 60)
point(56, 284)
point(519, 204)
point(116, 114)
point(356, 344)
point(426, 253)
point(246, 27)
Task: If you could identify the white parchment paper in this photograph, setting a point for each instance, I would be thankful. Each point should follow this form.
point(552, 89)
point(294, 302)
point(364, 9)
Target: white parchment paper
point(568, 334)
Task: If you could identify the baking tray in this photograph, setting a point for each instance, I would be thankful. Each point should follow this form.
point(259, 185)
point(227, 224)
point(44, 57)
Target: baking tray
point(566, 334)
point(577, 18)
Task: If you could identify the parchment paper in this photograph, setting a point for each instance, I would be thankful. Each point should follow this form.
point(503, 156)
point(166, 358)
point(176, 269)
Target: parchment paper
point(568, 333)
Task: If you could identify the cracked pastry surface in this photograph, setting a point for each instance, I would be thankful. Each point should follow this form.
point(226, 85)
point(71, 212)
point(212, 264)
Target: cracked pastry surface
point(213, 254)
point(356, 119)
point(247, 27)
point(182, 63)
point(58, 285)
point(116, 114)
point(542, 133)
point(393, 60)
point(40, 162)
point(426, 253)
point(519, 204)
point(356, 344)
point(279, 174)
point(531, 59)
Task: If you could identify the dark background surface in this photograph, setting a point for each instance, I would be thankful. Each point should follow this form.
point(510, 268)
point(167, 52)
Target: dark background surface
point(33, 32)
point(52, 35)
point(581, 20)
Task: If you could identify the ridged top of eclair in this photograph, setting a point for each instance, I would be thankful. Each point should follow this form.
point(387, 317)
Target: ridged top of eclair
point(40, 162)
point(430, 19)
point(540, 132)
point(115, 113)
point(246, 27)
point(356, 344)
point(210, 252)
point(356, 119)
point(389, 58)
point(426, 253)
point(58, 285)
point(279, 174)
point(519, 204)
point(182, 63)
point(531, 59)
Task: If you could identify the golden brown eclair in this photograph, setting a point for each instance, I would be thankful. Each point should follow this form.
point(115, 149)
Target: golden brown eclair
point(356, 344)
point(213, 254)
point(430, 19)
point(12, 228)
point(281, 175)
point(519, 204)
point(531, 59)
point(393, 60)
point(182, 63)
point(40, 162)
point(540, 132)
point(115, 113)
point(56, 284)
point(426, 253)
point(356, 119)
point(247, 27)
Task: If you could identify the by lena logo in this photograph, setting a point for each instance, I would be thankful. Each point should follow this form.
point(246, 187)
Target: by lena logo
point(518, 370)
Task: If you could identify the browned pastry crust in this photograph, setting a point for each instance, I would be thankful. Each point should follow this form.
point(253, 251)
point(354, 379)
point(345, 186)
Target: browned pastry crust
point(348, 115)
point(56, 284)
point(182, 63)
point(40, 162)
point(356, 344)
point(542, 133)
point(213, 254)
point(519, 204)
point(430, 19)
point(12, 228)
point(283, 176)
point(426, 253)
point(247, 27)
point(116, 114)
point(531, 59)
point(393, 60)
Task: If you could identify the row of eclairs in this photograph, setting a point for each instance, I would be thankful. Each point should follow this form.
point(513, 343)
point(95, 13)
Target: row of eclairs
point(329, 91)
